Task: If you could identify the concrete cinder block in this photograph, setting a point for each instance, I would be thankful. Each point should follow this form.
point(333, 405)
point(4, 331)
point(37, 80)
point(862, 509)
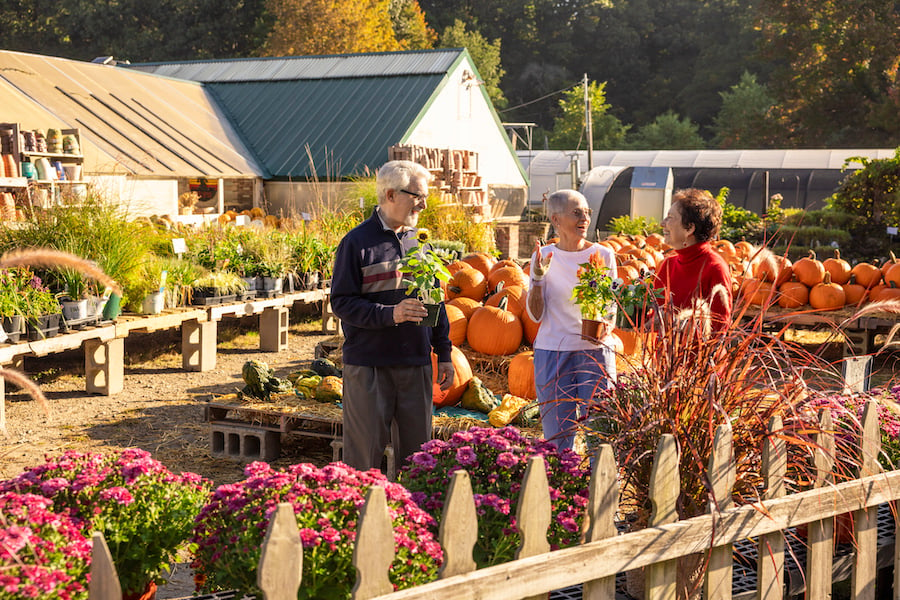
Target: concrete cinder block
point(244, 442)
point(198, 345)
point(273, 329)
point(104, 366)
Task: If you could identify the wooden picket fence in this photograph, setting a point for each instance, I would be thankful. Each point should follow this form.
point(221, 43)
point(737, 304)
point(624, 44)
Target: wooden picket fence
point(537, 571)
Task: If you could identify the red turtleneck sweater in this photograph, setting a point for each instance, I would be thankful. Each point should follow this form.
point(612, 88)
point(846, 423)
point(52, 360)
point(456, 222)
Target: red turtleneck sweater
point(693, 273)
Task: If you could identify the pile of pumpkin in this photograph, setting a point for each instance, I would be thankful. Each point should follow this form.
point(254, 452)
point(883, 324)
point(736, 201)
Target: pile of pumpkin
point(763, 278)
point(258, 218)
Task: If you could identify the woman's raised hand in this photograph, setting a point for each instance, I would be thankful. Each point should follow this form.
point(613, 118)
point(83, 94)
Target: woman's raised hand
point(541, 265)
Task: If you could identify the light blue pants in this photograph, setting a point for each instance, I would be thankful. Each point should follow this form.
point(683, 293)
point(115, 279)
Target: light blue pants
point(564, 380)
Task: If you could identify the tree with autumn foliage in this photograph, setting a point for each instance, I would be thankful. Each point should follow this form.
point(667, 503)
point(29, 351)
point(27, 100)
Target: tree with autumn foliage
point(837, 81)
point(485, 55)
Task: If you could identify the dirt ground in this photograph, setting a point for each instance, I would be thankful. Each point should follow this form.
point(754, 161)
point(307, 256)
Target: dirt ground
point(160, 409)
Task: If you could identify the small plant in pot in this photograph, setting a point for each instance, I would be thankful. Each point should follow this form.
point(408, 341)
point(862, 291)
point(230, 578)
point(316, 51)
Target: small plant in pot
point(76, 292)
point(425, 270)
point(217, 287)
point(12, 305)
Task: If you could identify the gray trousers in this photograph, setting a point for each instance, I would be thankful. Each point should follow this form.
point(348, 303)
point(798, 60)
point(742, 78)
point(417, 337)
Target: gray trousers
point(381, 405)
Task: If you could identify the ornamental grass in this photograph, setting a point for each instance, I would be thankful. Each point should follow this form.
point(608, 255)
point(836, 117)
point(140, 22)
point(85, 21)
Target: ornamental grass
point(230, 529)
point(496, 460)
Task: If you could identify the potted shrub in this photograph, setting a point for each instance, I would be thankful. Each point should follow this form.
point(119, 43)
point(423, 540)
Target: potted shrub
point(12, 307)
point(76, 292)
point(144, 511)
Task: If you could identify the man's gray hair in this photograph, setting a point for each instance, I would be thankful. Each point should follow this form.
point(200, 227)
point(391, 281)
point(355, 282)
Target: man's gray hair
point(396, 175)
point(559, 200)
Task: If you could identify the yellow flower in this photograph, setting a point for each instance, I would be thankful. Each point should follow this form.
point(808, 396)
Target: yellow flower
point(422, 235)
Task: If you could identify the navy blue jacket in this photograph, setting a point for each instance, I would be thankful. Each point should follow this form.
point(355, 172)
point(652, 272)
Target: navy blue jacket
point(364, 289)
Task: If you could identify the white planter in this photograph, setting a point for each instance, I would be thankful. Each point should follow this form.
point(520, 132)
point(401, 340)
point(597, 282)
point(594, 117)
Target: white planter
point(153, 303)
point(75, 310)
point(96, 304)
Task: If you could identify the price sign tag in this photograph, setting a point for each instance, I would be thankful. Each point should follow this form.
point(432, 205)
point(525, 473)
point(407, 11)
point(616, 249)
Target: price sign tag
point(892, 231)
point(362, 202)
point(179, 246)
point(306, 216)
point(242, 220)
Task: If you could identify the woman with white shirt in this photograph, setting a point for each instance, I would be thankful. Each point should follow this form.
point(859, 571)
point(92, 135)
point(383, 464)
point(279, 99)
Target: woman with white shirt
point(568, 370)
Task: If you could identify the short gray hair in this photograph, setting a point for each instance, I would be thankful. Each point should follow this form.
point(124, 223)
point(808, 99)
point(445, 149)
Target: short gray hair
point(396, 175)
point(558, 200)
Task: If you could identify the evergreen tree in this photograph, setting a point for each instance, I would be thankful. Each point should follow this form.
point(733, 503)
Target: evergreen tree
point(485, 55)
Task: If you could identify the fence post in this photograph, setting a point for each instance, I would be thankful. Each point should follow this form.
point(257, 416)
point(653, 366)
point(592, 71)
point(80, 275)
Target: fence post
point(601, 511)
point(104, 579)
point(664, 489)
point(459, 527)
point(281, 562)
point(722, 474)
point(820, 534)
point(373, 552)
point(533, 513)
point(770, 562)
point(865, 521)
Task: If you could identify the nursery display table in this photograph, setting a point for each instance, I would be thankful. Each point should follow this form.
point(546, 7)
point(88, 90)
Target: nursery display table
point(860, 332)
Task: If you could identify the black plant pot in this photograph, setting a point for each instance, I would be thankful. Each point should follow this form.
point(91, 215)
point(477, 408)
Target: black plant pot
point(14, 327)
point(44, 326)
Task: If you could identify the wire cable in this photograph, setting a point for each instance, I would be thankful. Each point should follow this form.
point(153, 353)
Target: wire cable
point(566, 89)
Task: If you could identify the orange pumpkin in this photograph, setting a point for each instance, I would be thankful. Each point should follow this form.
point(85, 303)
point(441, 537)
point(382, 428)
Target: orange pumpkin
point(462, 372)
point(827, 295)
point(506, 262)
point(774, 268)
point(466, 305)
point(529, 327)
point(627, 273)
point(458, 323)
point(888, 292)
point(838, 267)
point(456, 265)
point(725, 248)
point(655, 240)
point(762, 294)
point(470, 283)
point(521, 375)
point(867, 274)
point(744, 249)
point(508, 276)
point(892, 275)
point(494, 330)
point(481, 261)
point(515, 296)
point(855, 293)
point(792, 294)
point(809, 271)
point(893, 260)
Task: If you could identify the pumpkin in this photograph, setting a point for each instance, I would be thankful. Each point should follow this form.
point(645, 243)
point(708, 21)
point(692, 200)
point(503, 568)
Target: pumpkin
point(744, 249)
point(892, 274)
point(875, 290)
point(809, 271)
point(655, 240)
point(458, 324)
point(792, 294)
point(888, 292)
point(508, 276)
point(521, 375)
point(456, 265)
point(330, 389)
point(762, 293)
point(509, 408)
point(481, 261)
point(725, 248)
point(478, 397)
point(827, 295)
point(529, 327)
point(867, 274)
point(774, 268)
point(515, 296)
point(506, 262)
point(855, 293)
point(838, 267)
point(470, 283)
point(462, 374)
point(466, 305)
point(888, 264)
point(627, 273)
point(494, 330)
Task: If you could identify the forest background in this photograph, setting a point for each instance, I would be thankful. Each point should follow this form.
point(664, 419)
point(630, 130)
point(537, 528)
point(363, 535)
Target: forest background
point(665, 74)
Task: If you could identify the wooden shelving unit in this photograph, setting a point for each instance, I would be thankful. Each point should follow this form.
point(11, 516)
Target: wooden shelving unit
point(21, 154)
point(455, 175)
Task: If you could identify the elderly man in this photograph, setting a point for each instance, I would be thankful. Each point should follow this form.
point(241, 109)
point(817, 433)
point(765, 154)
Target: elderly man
point(387, 355)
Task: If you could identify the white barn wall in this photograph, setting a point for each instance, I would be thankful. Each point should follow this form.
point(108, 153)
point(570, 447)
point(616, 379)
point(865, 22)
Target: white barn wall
point(459, 119)
point(138, 197)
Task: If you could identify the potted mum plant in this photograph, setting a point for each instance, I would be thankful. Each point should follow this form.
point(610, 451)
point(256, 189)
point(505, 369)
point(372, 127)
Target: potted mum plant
point(12, 308)
point(41, 307)
point(496, 460)
point(144, 511)
point(327, 503)
point(594, 294)
point(425, 270)
point(43, 554)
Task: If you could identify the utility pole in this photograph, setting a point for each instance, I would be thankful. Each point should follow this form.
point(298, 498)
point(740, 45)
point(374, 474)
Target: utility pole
point(588, 126)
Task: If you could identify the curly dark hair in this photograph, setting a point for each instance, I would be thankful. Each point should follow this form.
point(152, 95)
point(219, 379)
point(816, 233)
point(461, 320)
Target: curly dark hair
point(700, 209)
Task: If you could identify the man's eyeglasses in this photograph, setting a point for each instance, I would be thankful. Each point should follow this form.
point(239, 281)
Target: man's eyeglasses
point(418, 197)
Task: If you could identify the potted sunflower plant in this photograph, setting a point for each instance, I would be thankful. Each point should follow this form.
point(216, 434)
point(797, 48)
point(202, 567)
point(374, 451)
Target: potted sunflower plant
point(424, 270)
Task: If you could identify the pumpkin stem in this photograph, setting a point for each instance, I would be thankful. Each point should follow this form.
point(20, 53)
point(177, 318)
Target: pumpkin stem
point(827, 279)
point(504, 302)
point(455, 289)
point(812, 254)
point(837, 254)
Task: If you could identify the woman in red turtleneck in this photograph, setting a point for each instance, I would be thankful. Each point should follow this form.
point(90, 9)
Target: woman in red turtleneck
point(695, 273)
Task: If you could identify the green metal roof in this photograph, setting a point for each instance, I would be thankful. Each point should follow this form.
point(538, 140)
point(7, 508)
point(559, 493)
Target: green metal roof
point(355, 119)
